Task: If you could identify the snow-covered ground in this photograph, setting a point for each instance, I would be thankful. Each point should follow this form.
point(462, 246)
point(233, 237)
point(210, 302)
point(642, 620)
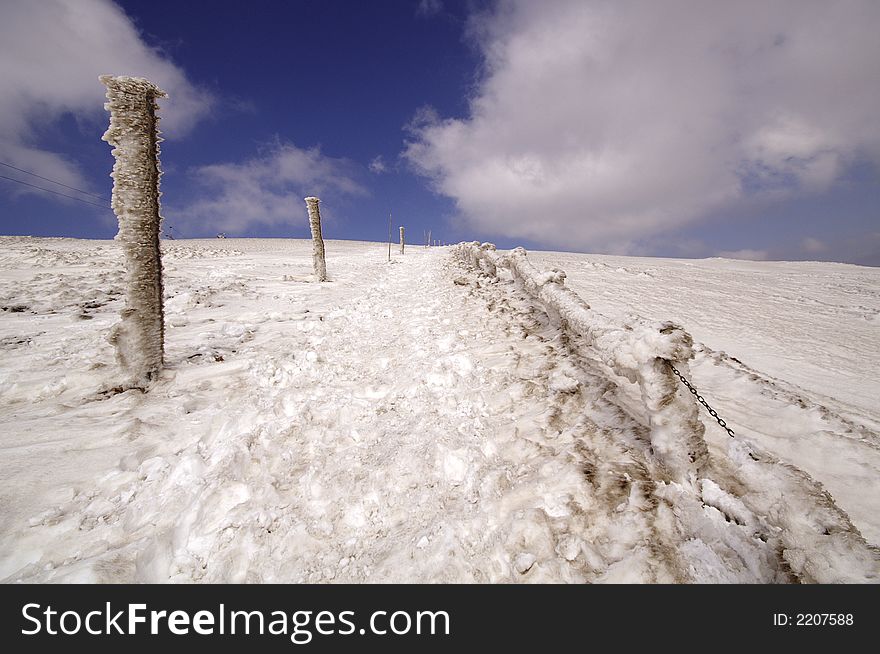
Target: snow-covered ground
point(417, 421)
point(789, 350)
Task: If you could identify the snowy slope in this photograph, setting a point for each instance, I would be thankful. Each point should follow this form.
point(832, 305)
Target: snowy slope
point(416, 421)
point(789, 350)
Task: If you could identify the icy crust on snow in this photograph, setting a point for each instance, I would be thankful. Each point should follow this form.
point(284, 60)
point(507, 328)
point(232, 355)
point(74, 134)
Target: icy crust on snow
point(774, 503)
point(318, 261)
point(134, 135)
point(820, 543)
point(637, 350)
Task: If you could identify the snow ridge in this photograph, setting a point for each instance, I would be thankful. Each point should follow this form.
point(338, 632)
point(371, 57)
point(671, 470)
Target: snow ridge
point(638, 350)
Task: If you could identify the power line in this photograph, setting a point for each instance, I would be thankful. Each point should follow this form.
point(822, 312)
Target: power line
point(48, 190)
point(72, 188)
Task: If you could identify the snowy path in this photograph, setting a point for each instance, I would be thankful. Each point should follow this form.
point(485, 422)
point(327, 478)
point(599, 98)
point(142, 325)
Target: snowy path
point(403, 422)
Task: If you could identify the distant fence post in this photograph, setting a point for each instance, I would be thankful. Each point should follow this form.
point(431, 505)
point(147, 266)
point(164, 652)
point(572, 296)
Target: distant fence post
point(134, 135)
point(401, 239)
point(318, 261)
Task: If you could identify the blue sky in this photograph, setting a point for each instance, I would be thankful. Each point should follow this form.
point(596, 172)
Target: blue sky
point(689, 130)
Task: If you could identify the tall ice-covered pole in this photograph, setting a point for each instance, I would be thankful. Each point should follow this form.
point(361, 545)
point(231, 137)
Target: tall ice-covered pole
point(317, 240)
point(134, 135)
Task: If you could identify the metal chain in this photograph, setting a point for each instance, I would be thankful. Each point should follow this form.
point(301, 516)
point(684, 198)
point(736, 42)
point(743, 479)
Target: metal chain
point(700, 399)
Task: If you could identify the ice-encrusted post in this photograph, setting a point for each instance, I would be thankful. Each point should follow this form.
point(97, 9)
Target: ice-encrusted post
point(134, 135)
point(317, 240)
point(401, 239)
point(677, 435)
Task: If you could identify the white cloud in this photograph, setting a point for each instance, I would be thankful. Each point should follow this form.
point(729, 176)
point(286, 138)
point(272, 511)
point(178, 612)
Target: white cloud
point(267, 190)
point(377, 165)
point(598, 125)
point(51, 53)
point(429, 8)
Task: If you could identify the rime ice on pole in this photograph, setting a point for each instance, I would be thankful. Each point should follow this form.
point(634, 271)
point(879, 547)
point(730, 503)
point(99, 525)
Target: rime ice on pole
point(317, 240)
point(401, 239)
point(134, 135)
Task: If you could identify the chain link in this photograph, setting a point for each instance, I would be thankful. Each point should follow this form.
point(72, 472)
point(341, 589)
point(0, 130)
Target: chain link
point(700, 399)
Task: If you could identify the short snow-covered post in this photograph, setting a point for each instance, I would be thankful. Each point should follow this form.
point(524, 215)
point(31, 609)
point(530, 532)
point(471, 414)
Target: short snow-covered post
point(401, 239)
point(677, 435)
point(317, 240)
point(134, 135)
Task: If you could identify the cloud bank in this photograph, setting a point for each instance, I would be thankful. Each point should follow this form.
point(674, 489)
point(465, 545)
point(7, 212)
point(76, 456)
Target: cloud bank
point(600, 124)
point(51, 53)
point(267, 190)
